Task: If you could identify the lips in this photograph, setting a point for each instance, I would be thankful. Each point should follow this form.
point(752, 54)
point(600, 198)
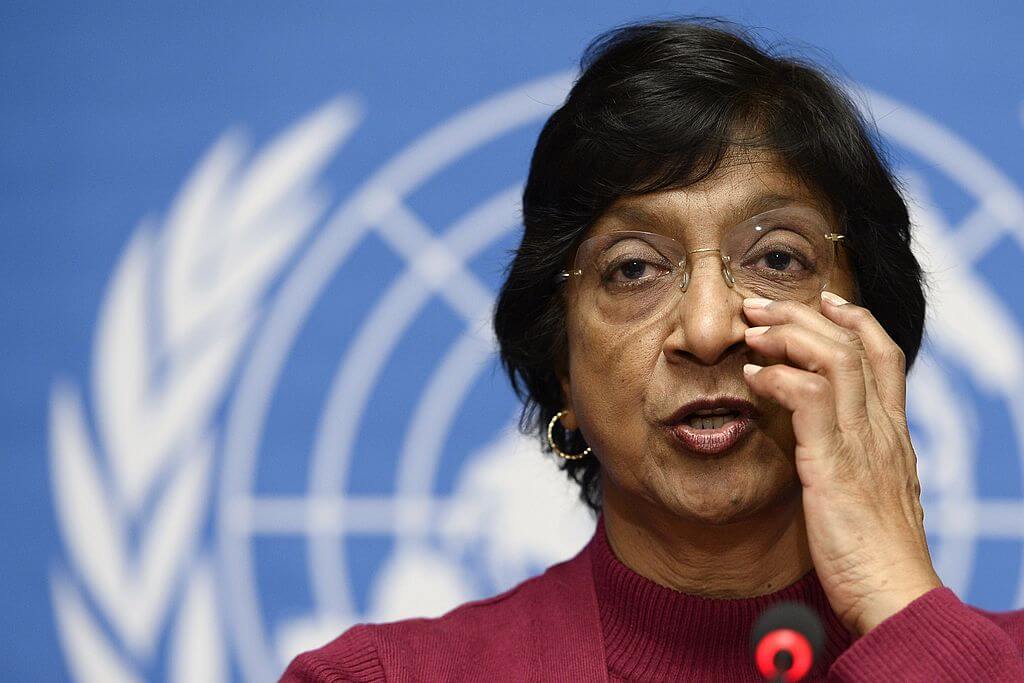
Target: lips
point(711, 426)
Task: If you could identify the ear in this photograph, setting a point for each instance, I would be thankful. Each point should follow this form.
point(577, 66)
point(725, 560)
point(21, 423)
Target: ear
point(562, 372)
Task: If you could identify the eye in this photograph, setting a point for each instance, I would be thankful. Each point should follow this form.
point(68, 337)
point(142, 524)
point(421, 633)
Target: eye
point(783, 253)
point(780, 260)
point(780, 250)
point(633, 270)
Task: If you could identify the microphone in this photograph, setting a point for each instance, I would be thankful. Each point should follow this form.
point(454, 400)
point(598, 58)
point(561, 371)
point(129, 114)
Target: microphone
point(786, 640)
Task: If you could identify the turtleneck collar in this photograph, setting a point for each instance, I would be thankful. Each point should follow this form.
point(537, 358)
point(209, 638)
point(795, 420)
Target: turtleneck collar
point(654, 633)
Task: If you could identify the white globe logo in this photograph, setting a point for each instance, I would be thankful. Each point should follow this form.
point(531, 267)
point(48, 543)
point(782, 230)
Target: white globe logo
point(973, 345)
point(510, 504)
point(455, 529)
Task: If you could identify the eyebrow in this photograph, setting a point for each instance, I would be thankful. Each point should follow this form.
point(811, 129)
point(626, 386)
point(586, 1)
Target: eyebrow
point(636, 214)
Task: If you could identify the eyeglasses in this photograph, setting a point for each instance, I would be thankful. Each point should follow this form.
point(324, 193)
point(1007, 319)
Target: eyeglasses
point(629, 276)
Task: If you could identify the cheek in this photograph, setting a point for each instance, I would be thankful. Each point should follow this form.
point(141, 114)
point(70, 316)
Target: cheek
point(610, 372)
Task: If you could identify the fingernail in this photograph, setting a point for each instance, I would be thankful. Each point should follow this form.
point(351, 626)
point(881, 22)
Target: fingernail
point(751, 369)
point(754, 331)
point(756, 302)
point(834, 299)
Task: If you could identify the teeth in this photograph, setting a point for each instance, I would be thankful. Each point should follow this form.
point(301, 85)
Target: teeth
point(714, 411)
point(709, 422)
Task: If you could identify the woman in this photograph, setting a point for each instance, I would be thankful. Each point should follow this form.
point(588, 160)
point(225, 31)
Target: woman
point(698, 215)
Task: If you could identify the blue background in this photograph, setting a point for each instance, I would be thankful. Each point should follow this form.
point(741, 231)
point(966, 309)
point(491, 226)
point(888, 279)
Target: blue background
point(106, 108)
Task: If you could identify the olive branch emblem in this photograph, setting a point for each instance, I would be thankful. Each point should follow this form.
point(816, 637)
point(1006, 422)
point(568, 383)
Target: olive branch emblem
point(131, 481)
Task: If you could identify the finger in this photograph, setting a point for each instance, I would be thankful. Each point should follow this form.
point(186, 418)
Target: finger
point(888, 362)
point(768, 312)
point(839, 363)
point(807, 395)
point(775, 312)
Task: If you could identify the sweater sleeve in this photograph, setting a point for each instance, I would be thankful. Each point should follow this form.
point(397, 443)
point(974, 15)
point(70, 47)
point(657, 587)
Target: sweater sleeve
point(350, 658)
point(934, 638)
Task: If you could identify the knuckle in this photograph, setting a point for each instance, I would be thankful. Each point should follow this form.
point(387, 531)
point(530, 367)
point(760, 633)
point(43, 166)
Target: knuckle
point(895, 357)
point(856, 342)
point(859, 314)
point(846, 359)
point(817, 387)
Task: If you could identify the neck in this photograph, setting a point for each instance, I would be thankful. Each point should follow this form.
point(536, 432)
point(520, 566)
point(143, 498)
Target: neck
point(738, 559)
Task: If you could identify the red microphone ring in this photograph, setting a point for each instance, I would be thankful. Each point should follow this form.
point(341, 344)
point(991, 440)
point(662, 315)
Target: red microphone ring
point(784, 639)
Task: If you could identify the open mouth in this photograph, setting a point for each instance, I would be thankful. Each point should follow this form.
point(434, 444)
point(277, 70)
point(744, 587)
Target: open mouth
point(711, 426)
point(711, 419)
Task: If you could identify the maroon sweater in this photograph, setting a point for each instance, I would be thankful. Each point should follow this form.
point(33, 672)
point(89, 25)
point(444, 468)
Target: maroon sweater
point(592, 618)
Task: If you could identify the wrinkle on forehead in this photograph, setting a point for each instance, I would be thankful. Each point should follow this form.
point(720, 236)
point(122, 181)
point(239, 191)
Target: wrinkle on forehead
point(744, 184)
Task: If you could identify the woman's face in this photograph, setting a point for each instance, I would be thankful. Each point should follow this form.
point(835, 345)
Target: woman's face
point(625, 379)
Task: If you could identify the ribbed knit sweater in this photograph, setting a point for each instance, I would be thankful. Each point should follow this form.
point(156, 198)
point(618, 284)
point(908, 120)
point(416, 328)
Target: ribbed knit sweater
point(592, 618)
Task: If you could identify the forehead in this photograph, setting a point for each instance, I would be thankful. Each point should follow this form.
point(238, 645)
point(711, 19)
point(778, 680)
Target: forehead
point(742, 186)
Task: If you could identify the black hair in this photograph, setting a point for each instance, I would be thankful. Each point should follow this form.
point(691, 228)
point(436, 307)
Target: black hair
point(657, 106)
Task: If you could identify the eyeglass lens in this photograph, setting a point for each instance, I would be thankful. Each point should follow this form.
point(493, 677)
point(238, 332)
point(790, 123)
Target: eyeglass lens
point(631, 276)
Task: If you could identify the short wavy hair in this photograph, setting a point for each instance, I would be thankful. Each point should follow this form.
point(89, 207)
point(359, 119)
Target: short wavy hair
point(657, 106)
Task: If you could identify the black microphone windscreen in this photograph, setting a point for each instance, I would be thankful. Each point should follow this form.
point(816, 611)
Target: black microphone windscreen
point(791, 615)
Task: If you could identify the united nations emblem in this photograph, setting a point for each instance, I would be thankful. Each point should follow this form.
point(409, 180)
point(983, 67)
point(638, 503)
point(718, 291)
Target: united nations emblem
point(296, 422)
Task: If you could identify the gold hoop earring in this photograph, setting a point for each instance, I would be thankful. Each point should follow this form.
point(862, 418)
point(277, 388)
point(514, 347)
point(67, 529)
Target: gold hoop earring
point(554, 446)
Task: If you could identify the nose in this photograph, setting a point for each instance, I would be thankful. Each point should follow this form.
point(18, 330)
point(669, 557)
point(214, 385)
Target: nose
point(708, 317)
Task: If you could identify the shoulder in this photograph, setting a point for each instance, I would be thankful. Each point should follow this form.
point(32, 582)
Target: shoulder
point(1011, 622)
point(462, 644)
point(938, 637)
point(352, 656)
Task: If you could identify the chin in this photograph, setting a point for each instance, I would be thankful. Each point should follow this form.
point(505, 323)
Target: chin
point(728, 489)
point(717, 512)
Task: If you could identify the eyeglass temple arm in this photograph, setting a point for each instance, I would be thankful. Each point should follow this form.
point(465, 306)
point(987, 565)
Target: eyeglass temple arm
point(834, 238)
